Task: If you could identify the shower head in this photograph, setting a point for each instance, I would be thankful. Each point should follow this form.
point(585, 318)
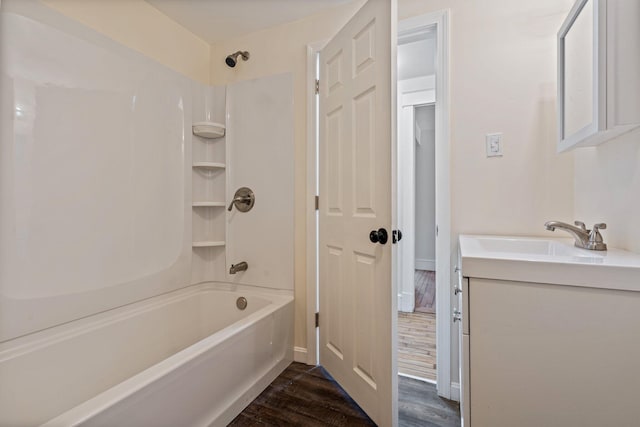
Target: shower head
point(232, 59)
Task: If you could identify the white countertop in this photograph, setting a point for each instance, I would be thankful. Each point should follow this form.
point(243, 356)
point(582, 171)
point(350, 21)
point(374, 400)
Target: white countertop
point(548, 260)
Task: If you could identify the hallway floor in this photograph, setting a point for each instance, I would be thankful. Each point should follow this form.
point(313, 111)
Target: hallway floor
point(425, 283)
point(417, 331)
point(306, 395)
point(420, 406)
point(417, 345)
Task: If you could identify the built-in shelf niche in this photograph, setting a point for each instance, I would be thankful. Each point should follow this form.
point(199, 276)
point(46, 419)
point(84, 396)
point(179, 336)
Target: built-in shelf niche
point(208, 130)
point(209, 165)
point(208, 244)
point(208, 195)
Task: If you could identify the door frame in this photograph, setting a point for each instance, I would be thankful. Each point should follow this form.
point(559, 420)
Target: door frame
point(416, 93)
point(443, 203)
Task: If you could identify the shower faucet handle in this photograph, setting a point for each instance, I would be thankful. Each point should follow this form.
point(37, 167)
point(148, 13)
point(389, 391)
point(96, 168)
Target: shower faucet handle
point(243, 200)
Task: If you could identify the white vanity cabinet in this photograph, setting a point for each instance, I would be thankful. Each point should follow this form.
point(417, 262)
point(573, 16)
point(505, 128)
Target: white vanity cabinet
point(598, 72)
point(549, 354)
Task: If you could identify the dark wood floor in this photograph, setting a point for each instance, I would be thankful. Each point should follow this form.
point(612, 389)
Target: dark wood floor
point(420, 405)
point(425, 282)
point(307, 396)
point(303, 396)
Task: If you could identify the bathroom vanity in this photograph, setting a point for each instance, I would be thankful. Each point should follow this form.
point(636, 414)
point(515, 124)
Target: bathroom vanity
point(549, 333)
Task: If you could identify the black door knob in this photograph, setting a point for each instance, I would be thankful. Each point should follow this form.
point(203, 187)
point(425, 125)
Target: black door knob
point(397, 236)
point(379, 236)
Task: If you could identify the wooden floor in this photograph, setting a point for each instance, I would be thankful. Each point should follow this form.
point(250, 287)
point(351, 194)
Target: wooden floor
point(303, 396)
point(417, 331)
point(425, 282)
point(420, 406)
point(417, 344)
point(307, 396)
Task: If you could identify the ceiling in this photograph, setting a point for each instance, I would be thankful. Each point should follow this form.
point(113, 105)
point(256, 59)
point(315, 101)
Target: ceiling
point(217, 20)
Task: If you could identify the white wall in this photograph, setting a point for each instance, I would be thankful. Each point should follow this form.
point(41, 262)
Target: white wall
point(607, 189)
point(425, 187)
point(503, 79)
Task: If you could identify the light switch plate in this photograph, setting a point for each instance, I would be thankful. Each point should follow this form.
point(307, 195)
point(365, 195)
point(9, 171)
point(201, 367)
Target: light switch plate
point(494, 144)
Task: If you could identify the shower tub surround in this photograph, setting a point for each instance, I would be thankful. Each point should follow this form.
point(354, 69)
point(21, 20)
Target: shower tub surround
point(109, 313)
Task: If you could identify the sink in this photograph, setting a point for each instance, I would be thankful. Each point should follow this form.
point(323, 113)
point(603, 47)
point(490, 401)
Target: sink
point(547, 260)
point(533, 248)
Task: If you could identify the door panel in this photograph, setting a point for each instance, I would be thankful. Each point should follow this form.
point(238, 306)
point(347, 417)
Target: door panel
point(357, 296)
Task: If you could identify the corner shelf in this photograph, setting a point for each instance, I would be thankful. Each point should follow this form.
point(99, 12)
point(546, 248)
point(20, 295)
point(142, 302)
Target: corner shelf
point(208, 204)
point(209, 130)
point(209, 165)
point(207, 244)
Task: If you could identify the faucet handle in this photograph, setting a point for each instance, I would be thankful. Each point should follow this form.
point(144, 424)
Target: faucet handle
point(581, 225)
point(594, 236)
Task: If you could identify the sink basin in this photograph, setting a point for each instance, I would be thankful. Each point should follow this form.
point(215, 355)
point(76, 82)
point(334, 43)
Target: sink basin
point(547, 260)
point(533, 248)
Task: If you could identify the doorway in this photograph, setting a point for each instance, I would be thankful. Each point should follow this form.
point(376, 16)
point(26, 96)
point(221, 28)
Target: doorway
point(417, 350)
point(436, 22)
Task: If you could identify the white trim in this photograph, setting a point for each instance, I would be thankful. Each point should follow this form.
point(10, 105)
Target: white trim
point(455, 392)
point(443, 207)
point(411, 93)
point(312, 242)
point(415, 377)
point(406, 301)
point(425, 264)
point(300, 355)
point(443, 198)
point(405, 190)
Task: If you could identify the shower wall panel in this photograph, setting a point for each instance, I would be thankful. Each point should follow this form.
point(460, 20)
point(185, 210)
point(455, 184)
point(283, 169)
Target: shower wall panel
point(95, 175)
point(260, 155)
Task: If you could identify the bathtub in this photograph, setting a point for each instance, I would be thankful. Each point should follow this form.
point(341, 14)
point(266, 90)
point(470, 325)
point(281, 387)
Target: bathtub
point(185, 358)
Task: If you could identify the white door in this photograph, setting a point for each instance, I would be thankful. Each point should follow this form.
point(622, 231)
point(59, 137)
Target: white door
point(357, 135)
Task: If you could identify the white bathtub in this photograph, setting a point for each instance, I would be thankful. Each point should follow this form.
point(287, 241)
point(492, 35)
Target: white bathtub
point(186, 358)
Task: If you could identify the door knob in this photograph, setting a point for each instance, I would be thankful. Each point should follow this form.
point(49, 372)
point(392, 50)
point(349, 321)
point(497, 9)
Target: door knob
point(379, 236)
point(397, 236)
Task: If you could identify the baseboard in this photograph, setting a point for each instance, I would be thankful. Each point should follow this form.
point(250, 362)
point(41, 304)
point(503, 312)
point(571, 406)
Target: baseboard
point(300, 354)
point(455, 392)
point(426, 264)
point(415, 377)
point(406, 302)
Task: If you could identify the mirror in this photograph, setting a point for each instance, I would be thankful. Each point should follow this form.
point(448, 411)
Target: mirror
point(578, 72)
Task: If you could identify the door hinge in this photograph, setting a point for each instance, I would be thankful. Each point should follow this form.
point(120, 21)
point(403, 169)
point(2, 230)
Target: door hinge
point(317, 320)
point(317, 87)
point(317, 202)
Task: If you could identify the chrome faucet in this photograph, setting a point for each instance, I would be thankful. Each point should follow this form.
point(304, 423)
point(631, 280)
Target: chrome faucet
point(586, 239)
point(241, 266)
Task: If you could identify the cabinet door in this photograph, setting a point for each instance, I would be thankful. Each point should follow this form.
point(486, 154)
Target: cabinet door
point(549, 355)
